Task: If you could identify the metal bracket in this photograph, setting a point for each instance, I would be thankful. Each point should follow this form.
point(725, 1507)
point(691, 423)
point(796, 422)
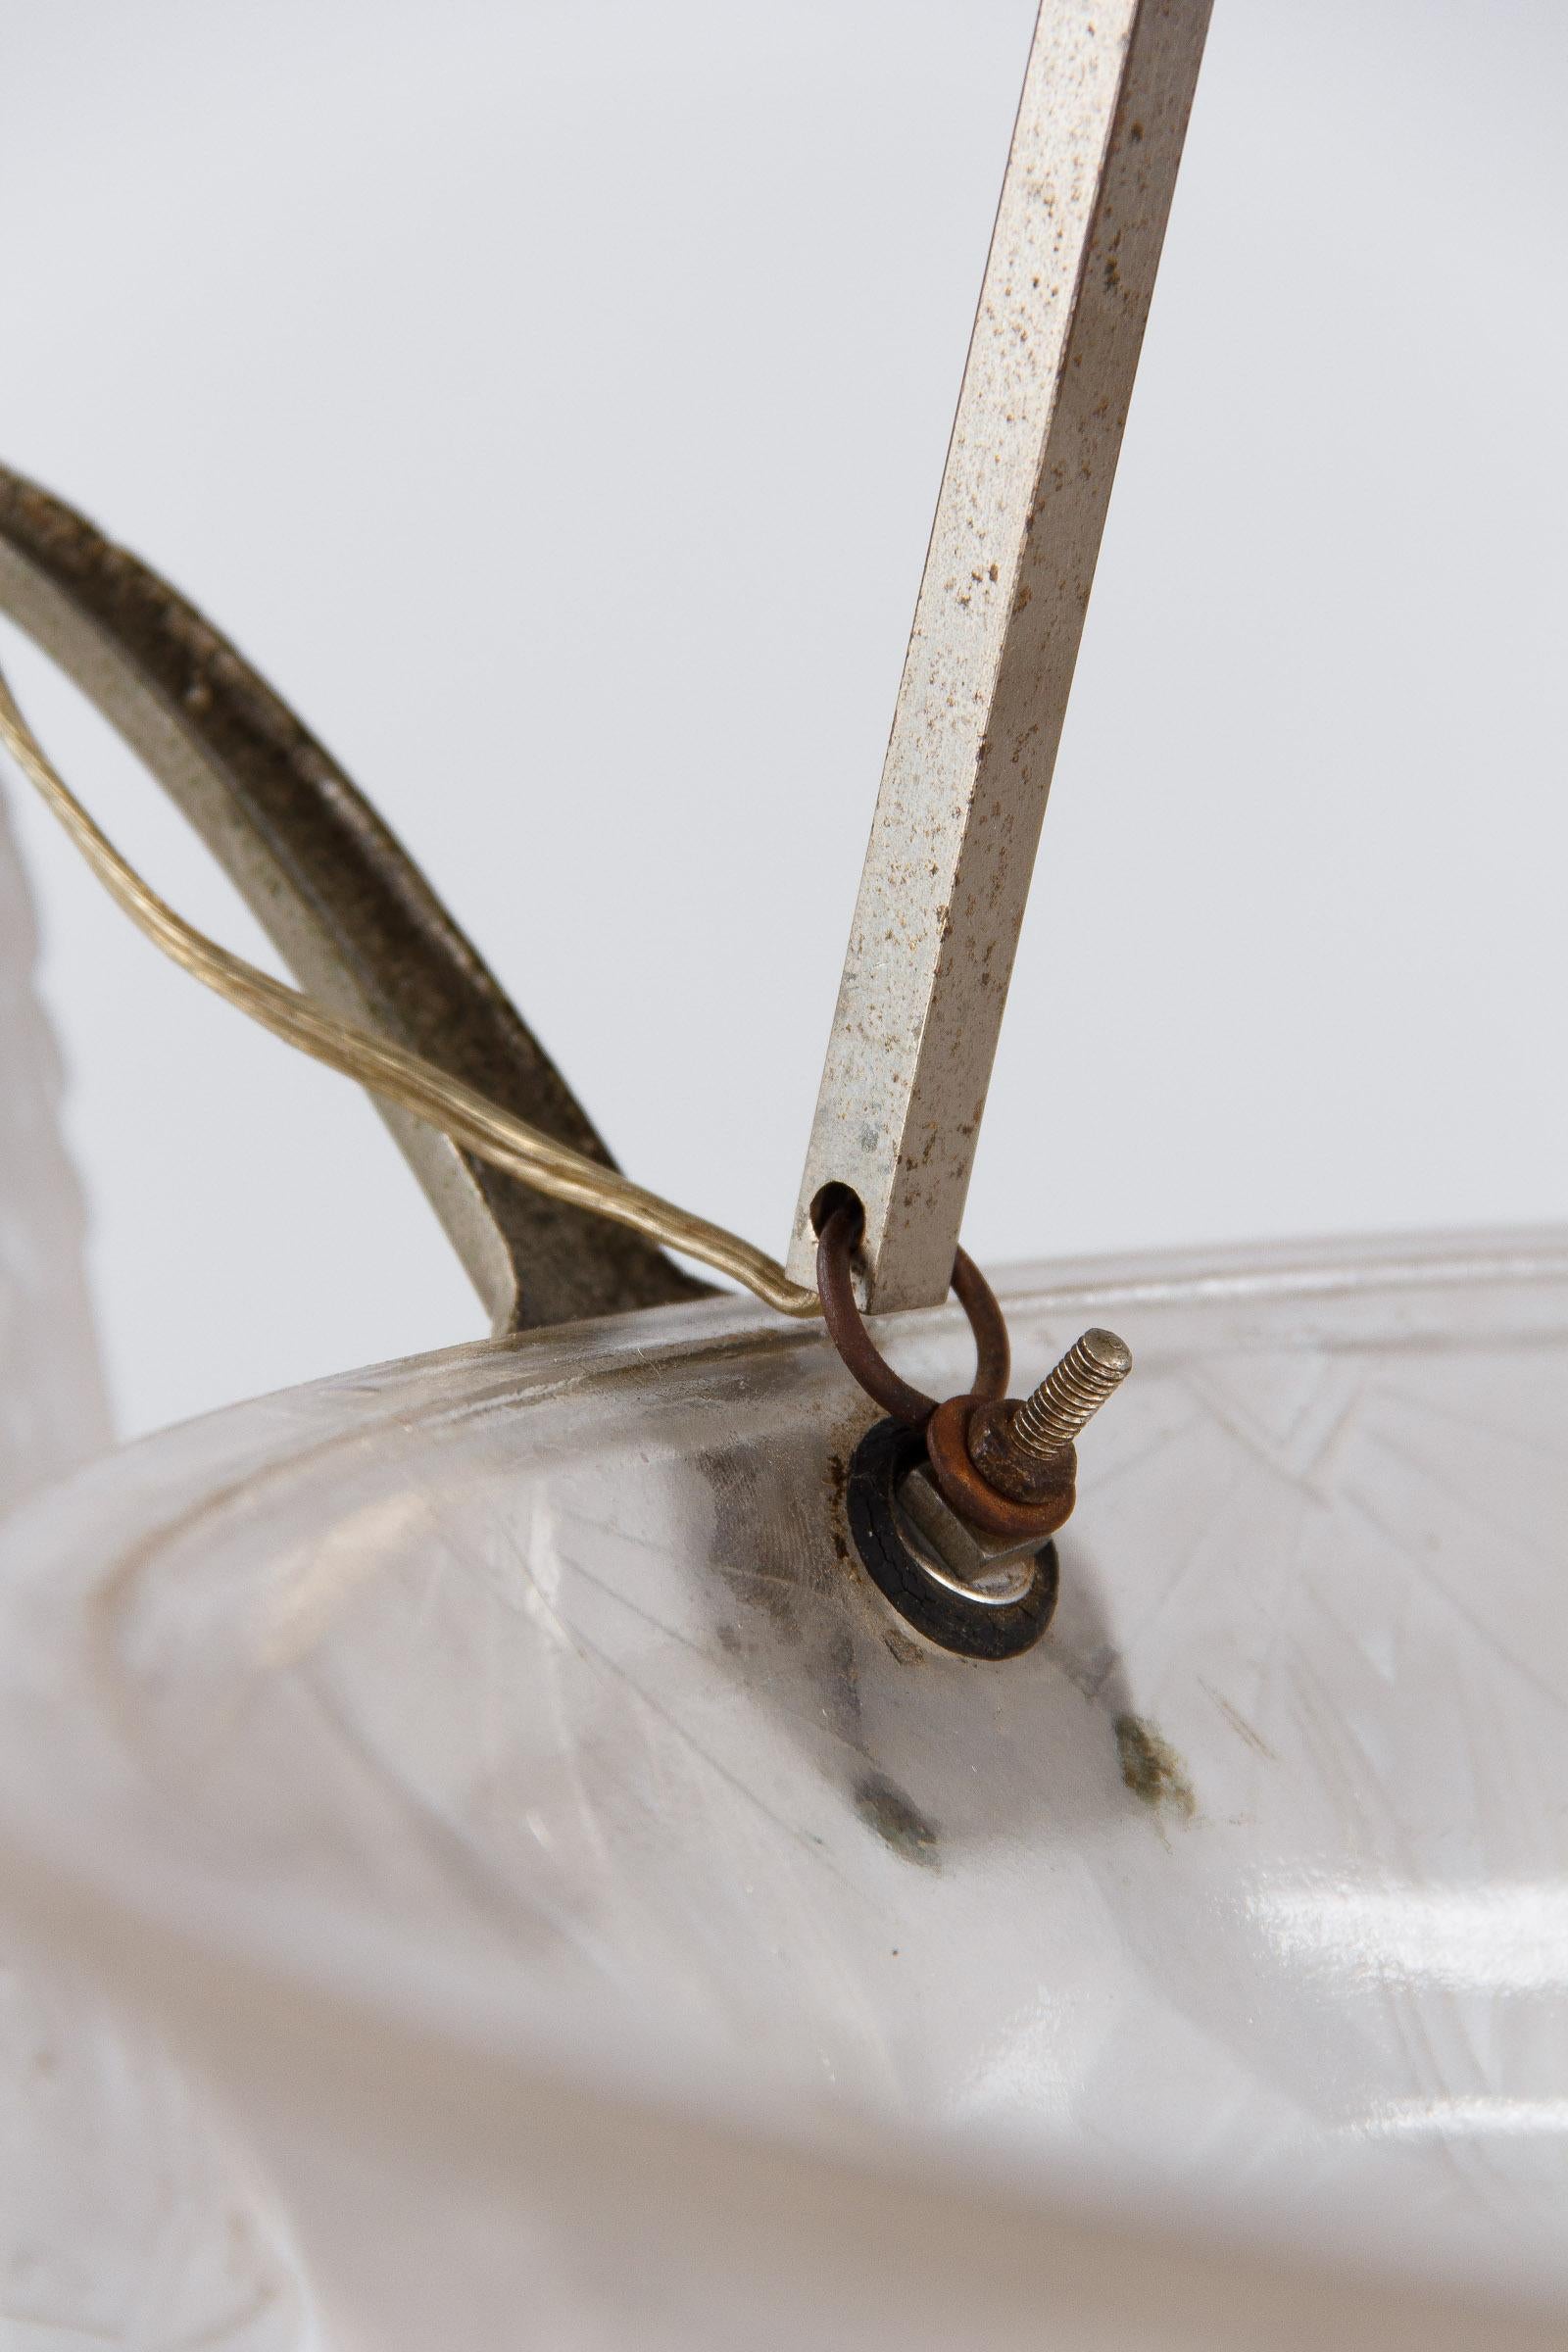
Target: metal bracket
point(1060, 324)
point(352, 915)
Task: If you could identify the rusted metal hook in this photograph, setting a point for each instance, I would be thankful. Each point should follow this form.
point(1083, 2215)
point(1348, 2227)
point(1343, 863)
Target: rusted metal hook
point(835, 1251)
point(952, 1506)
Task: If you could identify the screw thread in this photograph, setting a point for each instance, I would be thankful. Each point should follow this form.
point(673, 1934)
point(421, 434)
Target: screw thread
point(1071, 1393)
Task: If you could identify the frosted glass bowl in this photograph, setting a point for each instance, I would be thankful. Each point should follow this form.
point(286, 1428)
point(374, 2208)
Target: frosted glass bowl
point(560, 1903)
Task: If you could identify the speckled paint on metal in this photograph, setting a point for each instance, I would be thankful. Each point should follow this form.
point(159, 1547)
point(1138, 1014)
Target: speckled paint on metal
point(991, 658)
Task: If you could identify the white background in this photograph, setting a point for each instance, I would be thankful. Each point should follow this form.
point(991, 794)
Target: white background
point(550, 398)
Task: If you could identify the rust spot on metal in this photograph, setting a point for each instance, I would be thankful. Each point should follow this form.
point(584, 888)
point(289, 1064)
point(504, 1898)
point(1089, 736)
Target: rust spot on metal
point(970, 1491)
point(1008, 1468)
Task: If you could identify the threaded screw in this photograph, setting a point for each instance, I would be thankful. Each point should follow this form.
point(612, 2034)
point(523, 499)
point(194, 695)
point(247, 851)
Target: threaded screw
point(1070, 1394)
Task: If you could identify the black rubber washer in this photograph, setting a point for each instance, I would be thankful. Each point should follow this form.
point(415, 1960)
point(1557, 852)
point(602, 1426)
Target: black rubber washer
point(888, 1451)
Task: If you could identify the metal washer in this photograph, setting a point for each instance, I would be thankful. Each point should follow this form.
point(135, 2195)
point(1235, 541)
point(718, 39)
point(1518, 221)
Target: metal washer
point(973, 1628)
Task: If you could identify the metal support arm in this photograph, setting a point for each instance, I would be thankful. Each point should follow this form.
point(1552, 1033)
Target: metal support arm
point(350, 912)
point(980, 710)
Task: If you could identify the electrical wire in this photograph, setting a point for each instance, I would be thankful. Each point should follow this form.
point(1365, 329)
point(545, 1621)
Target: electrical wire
point(469, 1118)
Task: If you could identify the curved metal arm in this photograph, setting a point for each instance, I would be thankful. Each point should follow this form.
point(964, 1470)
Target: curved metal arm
point(352, 915)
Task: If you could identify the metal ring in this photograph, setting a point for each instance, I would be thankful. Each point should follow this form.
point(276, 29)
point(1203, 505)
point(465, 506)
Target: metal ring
point(992, 1348)
point(835, 1247)
point(971, 1628)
